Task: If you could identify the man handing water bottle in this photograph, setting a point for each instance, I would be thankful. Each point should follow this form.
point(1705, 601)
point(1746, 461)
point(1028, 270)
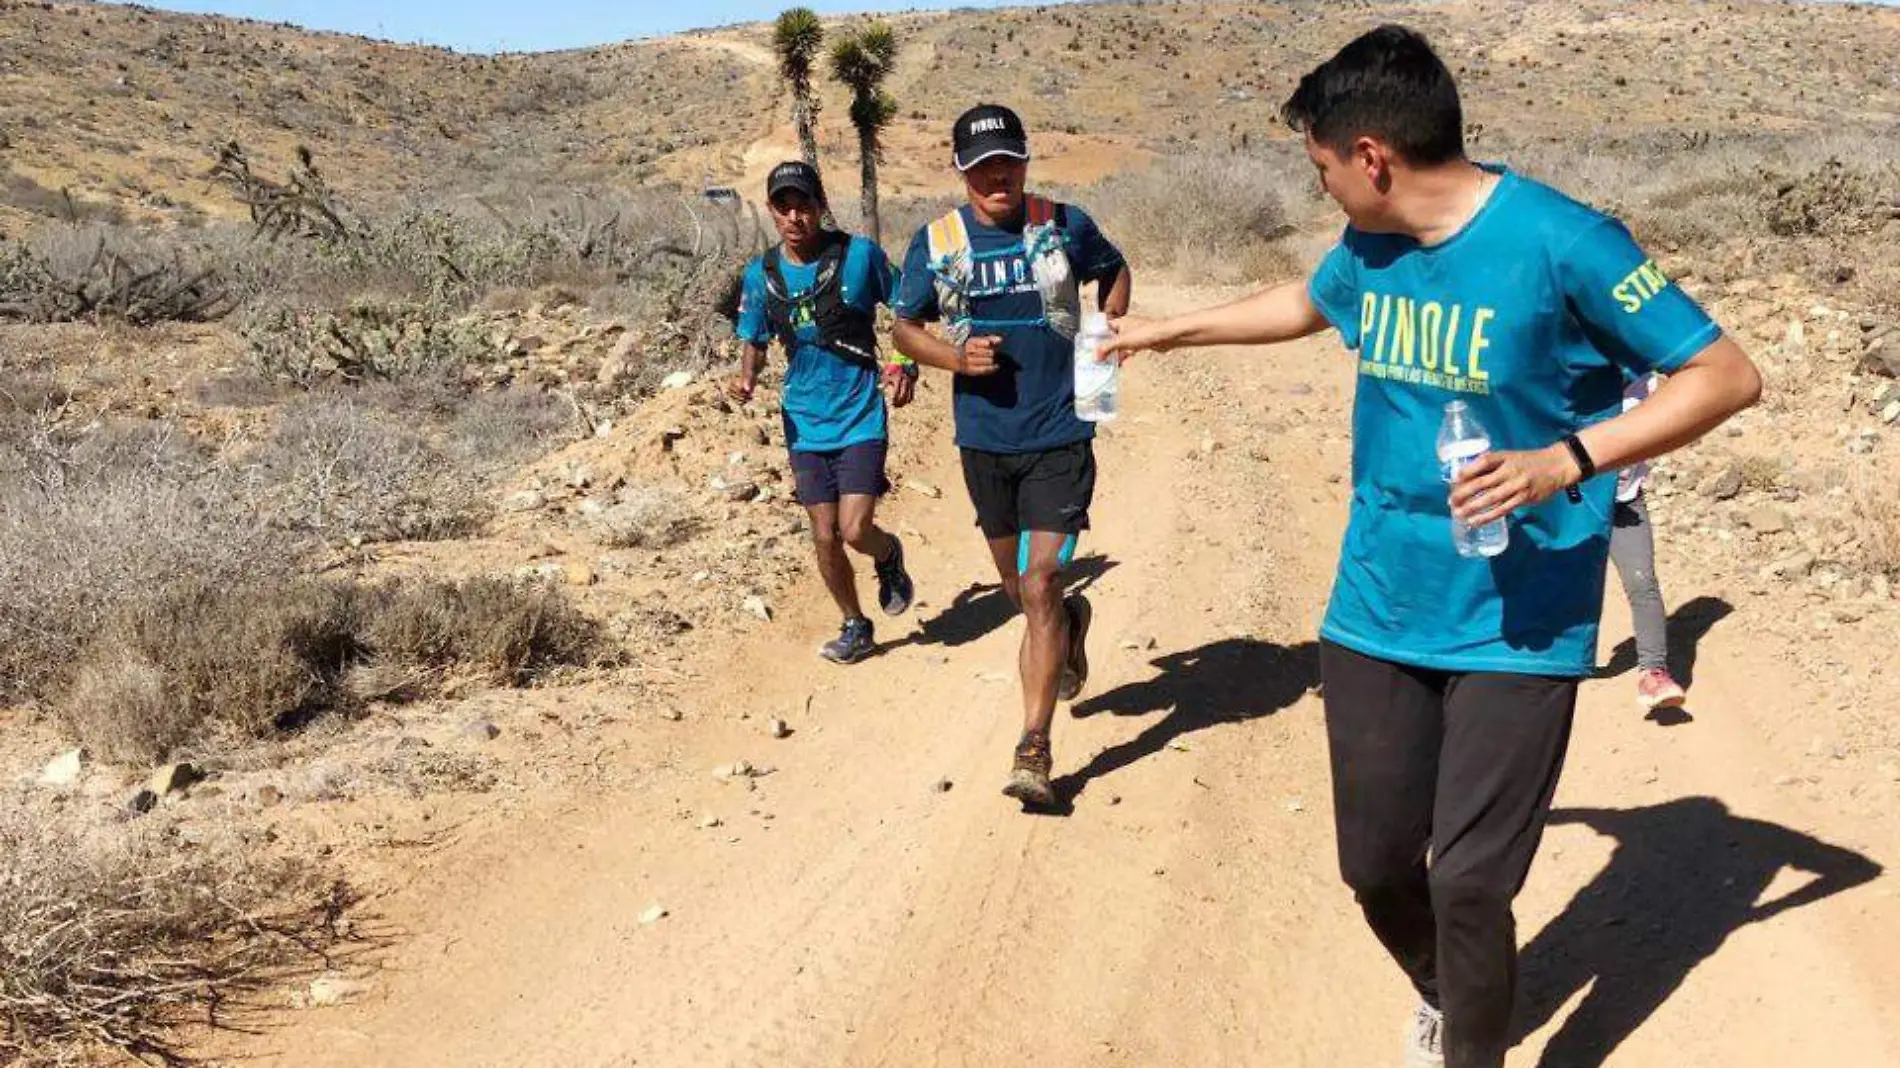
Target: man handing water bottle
point(1492, 321)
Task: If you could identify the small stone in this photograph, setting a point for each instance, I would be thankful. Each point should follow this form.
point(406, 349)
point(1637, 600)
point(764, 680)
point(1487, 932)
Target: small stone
point(173, 778)
point(741, 492)
point(579, 574)
point(64, 769)
point(738, 769)
point(327, 991)
point(942, 786)
point(1209, 446)
point(1296, 806)
point(481, 731)
point(922, 488)
point(524, 501)
point(779, 728)
point(142, 802)
point(1725, 484)
point(756, 606)
point(677, 380)
point(1766, 520)
point(654, 914)
point(268, 797)
point(709, 822)
point(1797, 565)
point(1891, 412)
point(672, 715)
point(1179, 746)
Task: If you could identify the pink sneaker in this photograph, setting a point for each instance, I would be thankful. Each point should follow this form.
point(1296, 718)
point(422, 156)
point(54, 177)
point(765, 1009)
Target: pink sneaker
point(1656, 689)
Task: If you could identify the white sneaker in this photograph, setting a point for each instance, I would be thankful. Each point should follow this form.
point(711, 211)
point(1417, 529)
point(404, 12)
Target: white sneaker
point(1424, 1039)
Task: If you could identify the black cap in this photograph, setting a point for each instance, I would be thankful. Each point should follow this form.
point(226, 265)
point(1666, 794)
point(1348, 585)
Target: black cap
point(988, 130)
point(795, 174)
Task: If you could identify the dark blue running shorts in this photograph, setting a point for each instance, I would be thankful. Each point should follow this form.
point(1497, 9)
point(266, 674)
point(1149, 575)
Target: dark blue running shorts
point(855, 470)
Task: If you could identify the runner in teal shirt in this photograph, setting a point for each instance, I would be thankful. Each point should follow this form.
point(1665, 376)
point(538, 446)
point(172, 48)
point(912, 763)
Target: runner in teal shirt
point(1451, 682)
point(1531, 314)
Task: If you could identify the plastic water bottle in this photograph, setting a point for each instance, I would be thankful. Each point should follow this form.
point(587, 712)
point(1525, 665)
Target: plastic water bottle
point(1097, 382)
point(1462, 439)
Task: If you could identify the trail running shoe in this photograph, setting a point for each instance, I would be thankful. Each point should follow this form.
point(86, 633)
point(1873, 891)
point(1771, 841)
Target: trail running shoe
point(1075, 671)
point(1425, 1039)
point(1029, 777)
point(894, 588)
point(852, 644)
point(1656, 689)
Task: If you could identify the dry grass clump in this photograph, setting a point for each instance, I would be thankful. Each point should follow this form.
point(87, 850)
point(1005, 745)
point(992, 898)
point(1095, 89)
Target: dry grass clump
point(202, 666)
point(500, 632)
point(108, 945)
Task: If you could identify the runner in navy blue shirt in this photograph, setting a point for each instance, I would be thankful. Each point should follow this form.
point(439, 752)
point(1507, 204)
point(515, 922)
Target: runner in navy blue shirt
point(1003, 275)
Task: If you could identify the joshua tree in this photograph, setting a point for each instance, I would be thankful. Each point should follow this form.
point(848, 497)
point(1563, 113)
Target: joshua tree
point(862, 61)
point(796, 38)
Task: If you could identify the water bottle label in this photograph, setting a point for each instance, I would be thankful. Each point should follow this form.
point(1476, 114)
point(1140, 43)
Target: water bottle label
point(1453, 458)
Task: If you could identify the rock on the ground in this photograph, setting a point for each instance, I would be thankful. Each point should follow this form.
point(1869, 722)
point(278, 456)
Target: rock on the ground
point(64, 769)
point(922, 489)
point(654, 914)
point(756, 606)
point(528, 500)
point(779, 728)
point(268, 796)
point(327, 991)
point(1766, 519)
point(1725, 484)
point(677, 380)
point(481, 731)
point(173, 778)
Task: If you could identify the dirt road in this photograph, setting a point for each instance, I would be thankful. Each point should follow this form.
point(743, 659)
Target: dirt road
point(847, 910)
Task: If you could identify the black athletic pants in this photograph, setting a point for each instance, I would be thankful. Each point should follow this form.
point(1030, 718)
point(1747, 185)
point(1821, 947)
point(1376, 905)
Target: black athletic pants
point(1442, 783)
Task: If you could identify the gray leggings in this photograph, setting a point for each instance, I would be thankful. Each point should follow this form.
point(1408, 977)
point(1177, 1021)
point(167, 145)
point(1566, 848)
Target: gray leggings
point(1633, 549)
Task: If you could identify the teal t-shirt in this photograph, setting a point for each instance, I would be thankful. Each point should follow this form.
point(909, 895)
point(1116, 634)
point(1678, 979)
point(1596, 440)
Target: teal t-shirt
point(1534, 314)
point(831, 401)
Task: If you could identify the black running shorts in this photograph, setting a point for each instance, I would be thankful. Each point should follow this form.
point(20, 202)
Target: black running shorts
point(1048, 491)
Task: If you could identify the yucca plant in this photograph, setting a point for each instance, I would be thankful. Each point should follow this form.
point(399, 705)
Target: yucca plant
point(861, 61)
point(797, 37)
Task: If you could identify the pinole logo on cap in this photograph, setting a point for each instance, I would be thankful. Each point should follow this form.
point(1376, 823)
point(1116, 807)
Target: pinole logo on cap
point(988, 130)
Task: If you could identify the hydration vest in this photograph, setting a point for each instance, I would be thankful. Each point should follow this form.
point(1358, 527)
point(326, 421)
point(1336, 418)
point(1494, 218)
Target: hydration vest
point(842, 328)
point(952, 266)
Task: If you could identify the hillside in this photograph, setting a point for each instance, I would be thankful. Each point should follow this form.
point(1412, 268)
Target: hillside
point(122, 105)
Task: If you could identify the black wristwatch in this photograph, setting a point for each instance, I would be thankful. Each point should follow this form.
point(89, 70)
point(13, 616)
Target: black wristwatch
point(1586, 467)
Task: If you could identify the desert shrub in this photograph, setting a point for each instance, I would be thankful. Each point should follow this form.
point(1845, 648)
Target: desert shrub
point(365, 341)
point(108, 945)
point(95, 522)
point(1878, 510)
point(71, 273)
point(1217, 217)
point(201, 663)
point(198, 666)
point(504, 633)
point(341, 469)
point(495, 430)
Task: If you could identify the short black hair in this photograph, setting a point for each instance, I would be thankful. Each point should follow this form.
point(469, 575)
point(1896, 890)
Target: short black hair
point(1386, 84)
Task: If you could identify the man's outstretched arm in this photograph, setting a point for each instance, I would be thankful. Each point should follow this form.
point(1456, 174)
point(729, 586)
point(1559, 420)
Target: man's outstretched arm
point(1280, 313)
